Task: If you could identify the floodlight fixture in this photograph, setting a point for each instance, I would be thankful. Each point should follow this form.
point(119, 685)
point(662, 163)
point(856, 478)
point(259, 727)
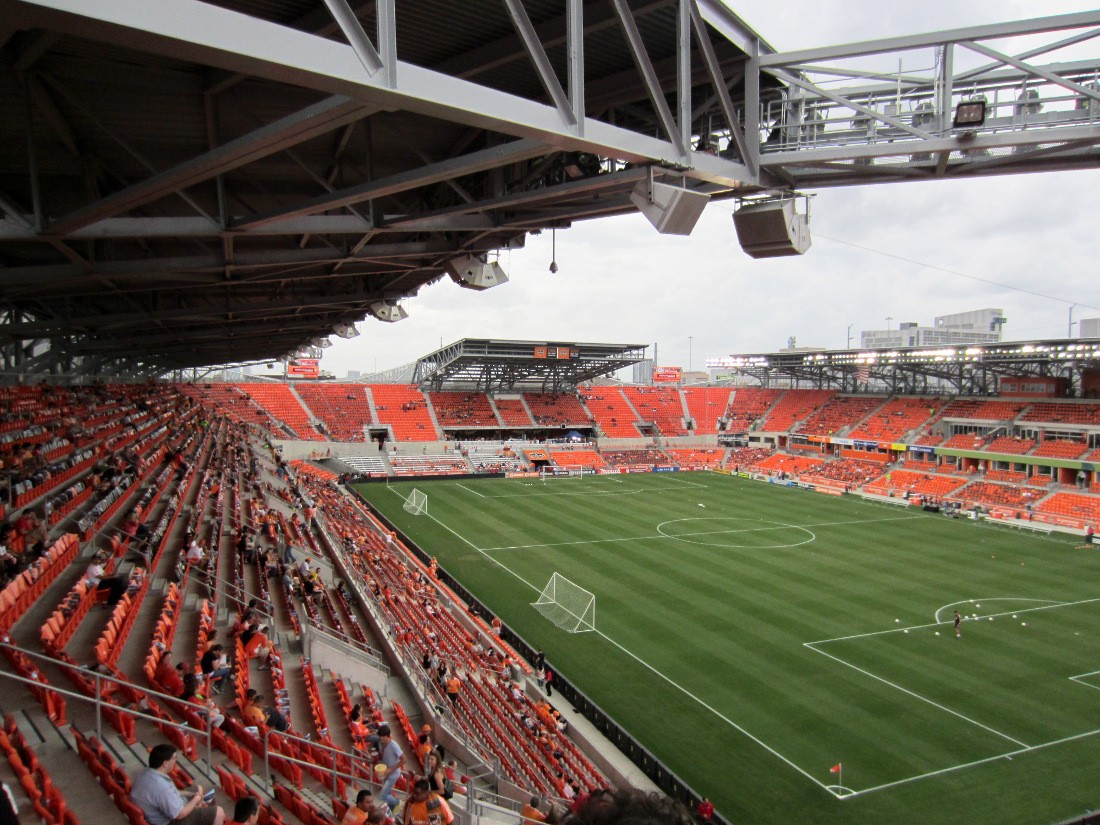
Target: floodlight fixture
point(388, 311)
point(345, 330)
point(476, 272)
point(321, 343)
point(970, 114)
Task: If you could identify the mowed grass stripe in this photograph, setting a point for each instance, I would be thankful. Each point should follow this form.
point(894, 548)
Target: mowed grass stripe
point(728, 624)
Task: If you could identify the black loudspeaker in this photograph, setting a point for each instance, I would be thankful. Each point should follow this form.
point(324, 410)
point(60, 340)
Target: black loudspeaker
point(772, 229)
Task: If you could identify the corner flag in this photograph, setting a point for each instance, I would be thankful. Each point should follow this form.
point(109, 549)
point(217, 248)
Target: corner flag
point(835, 768)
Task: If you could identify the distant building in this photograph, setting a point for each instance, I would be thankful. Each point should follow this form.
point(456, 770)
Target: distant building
point(982, 326)
point(642, 372)
point(354, 374)
point(1088, 328)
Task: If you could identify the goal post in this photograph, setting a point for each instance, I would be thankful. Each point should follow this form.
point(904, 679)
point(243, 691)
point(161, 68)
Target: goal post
point(416, 503)
point(567, 605)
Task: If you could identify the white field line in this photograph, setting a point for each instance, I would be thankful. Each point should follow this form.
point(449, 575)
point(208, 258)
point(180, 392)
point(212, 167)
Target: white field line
point(473, 492)
point(938, 620)
point(939, 624)
point(700, 533)
point(985, 761)
point(648, 666)
point(916, 695)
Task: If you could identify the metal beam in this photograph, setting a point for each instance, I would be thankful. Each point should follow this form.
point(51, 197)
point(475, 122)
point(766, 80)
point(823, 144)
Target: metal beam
point(314, 120)
point(479, 161)
point(537, 55)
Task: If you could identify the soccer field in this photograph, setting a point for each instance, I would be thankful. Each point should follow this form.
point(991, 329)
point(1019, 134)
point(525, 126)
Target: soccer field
point(753, 637)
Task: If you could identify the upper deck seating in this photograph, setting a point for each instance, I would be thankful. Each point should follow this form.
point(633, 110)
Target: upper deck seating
point(1061, 448)
point(403, 408)
point(557, 409)
point(661, 405)
point(1064, 413)
point(965, 441)
point(706, 405)
point(344, 408)
point(981, 409)
point(463, 410)
point(748, 407)
point(898, 416)
point(610, 409)
point(839, 412)
point(513, 413)
point(794, 406)
point(1014, 445)
point(627, 458)
point(278, 400)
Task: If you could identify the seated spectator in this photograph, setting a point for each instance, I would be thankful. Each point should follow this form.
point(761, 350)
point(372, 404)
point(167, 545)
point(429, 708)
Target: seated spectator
point(531, 812)
point(207, 708)
point(275, 719)
point(424, 807)
point(253, 712)
point(169, 676)
point(154, 792)
point(364, 810)
point(246, 811)
point(95, 571)
point(195, 554)
point(215, 666)
point(436, 776)
point(256, 644)
point(705, 810)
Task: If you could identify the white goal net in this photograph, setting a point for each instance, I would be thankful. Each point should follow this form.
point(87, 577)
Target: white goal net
point(416, 503)
point(568, 606)
point(565, 472)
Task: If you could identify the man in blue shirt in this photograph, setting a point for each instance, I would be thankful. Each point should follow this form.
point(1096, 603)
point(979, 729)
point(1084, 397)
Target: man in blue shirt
point(156, 794)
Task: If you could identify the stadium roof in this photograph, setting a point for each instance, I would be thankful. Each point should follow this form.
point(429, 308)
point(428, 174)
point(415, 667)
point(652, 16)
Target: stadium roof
point(503, 366)
point(188, 183)
point(961, 370)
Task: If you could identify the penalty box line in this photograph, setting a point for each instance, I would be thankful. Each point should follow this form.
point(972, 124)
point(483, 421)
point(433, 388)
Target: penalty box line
point(646, 665)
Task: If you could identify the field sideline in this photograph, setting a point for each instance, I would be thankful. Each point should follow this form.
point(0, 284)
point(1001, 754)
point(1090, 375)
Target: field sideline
point(753, 636)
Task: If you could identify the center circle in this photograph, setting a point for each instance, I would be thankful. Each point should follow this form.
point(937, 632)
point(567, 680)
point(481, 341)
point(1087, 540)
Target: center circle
point(731, 531)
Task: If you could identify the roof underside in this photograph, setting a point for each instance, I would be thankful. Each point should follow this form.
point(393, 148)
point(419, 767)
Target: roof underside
point(162, 210)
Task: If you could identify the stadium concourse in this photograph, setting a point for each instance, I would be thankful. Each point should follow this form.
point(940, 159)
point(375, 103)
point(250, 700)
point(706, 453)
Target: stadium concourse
point(146, 524)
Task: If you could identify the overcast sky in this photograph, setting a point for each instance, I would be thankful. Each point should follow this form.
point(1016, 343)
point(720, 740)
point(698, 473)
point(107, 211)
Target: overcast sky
point(701, 297)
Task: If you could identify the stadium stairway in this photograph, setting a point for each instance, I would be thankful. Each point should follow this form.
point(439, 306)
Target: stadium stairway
point(432, 415)
point(314, 420)
point(496, 412)
point(373, 407)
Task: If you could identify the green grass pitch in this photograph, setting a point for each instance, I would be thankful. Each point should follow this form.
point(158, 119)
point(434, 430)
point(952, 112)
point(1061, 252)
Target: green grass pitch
point(753, 636)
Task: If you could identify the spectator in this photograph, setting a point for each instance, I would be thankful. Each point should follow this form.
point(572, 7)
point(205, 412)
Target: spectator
point(423, 807)
point(168, 676)
point(246, 811)
point(253, 712)
point(531, 812)
point(154, 792)
point(215, 666)
point(705, 810)
point(390, 755)
point(629, 805)
point(94, 572)
point(362, 810)
point(453, 687)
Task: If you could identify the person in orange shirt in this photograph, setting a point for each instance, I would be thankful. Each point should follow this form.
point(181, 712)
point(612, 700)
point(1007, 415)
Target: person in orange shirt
point(423, 807)
point(254, 712)
point(531, 812)
point(361, 811)
point(454, 685)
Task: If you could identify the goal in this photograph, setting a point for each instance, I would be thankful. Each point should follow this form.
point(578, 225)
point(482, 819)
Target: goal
point(568, 606)
point(565, 472)
point(417, 503)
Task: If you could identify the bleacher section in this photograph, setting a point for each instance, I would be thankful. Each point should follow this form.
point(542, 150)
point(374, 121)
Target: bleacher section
point(708, 457)
point(280, 402)
point(611, 410)
point(794, 406)
point(344, 408)
point(902, 482)
point(513, 413)
point(557, 410)
point(659, 405)
point(411, 465)
point(1063, 413)
point(839, 413)
point(896, 418)
point(706, 405)
point(789, 465)
point(748, 407)
point(1061, 448)
point(1073, 505)
point(463, 410)
point(403, 408)
point(982, 409)
point(370, 465)
point(1013, 445)
point(994, 495)
point(577, 458)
